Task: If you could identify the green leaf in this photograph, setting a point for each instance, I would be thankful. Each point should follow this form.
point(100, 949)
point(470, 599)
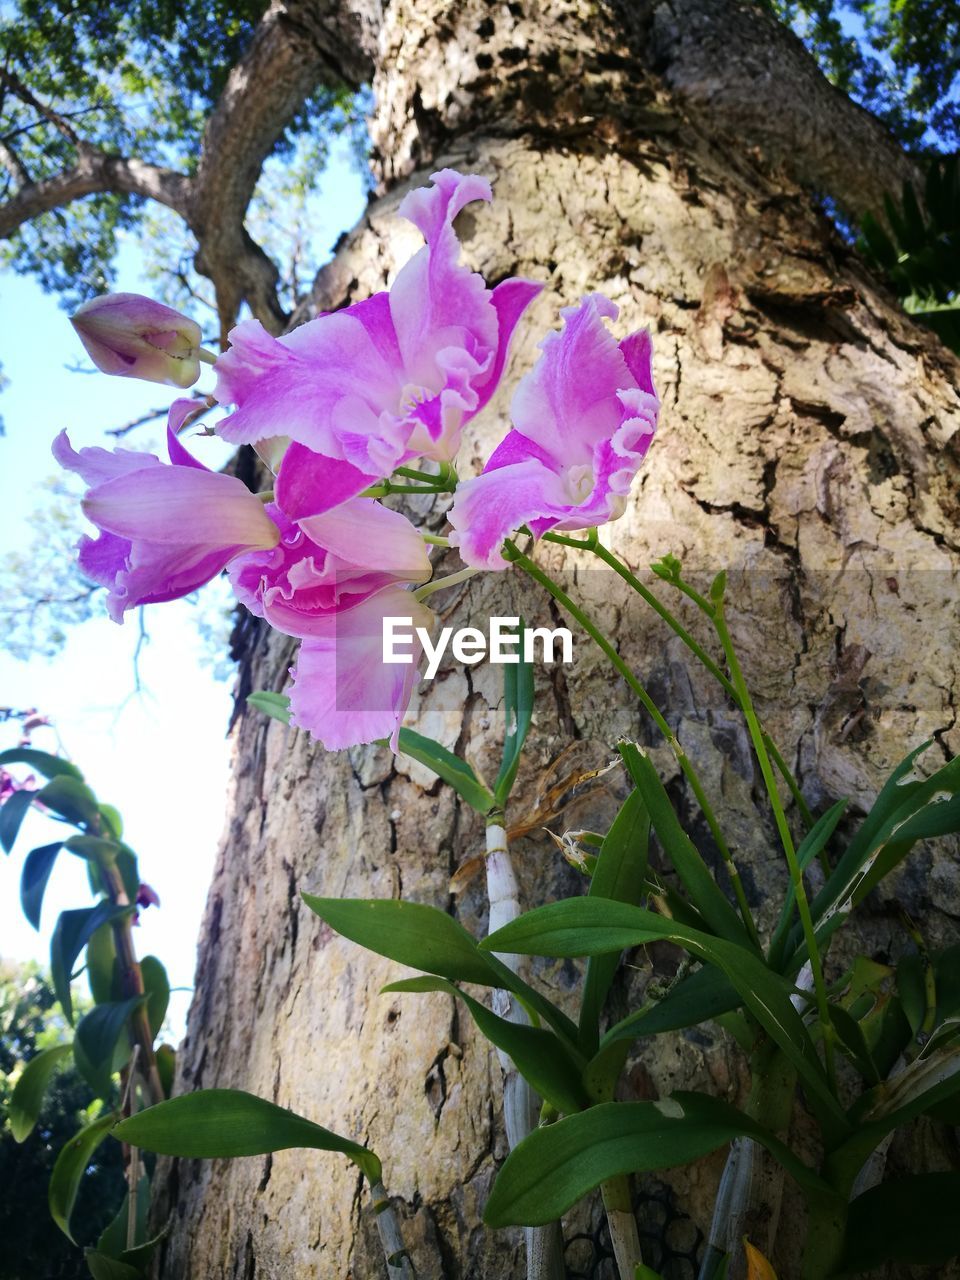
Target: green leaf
point(157, 986)
point(166, 1067)
point(541, 1057)
point(94, 847)
point(102, 1267)
point(449, 767)
point(70, 1167)
point(620, 875)
point(41, 762)
point(28, 1093)
point(559, 1163)
point(906, 810)
point(33, 879)
point(592, 926)
point(12, 813)
point(810, 848)
point(72, 932)
point(852, 1039)
point(228, 1122)
point(704, 891)
point(518, 694)
point(275, 705)
point(113, 1240)
point(112, 821)
point(698, 997)
point(97, 1035)
point(426, 938)
point(911, 1220)
point(72, 799)
point(103, 972)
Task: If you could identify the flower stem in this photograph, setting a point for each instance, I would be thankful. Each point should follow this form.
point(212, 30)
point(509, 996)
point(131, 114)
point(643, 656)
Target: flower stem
point(513, 553)
point(617, 565)
point(439, 584)
point(786, 839)
point(435, 540)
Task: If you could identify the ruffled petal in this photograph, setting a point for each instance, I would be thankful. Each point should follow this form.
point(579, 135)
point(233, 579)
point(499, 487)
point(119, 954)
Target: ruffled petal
point(493, 506)
point(325, 385)
point(435, 302)
point(309, 484)
point(568, 402)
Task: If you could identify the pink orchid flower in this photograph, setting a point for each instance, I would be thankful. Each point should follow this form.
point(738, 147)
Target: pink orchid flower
point(343, 693)
point(584, 418)
point(328, 563)
point(390, 378)
point(134, 337)
point(164, 530)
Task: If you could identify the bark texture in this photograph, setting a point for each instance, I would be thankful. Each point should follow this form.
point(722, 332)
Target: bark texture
point(809, 442)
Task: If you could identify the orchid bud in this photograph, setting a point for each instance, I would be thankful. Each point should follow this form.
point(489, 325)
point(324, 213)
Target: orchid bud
point(134, 337)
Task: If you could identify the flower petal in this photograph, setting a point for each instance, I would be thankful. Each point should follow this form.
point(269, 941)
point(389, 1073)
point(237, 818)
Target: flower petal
point(568, 402)
point(343, 693)
point(492, 506)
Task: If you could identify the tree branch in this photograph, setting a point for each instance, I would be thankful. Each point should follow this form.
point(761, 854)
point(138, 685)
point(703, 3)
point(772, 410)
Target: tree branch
point(94, 173)
point(736, 66)
point(297, 45)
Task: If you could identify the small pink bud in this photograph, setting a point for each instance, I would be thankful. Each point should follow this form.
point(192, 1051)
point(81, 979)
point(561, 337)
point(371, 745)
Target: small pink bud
point(134, 337)
point(147, 897)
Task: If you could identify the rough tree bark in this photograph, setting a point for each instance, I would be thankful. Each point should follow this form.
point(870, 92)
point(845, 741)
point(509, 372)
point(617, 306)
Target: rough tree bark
point(808, 442)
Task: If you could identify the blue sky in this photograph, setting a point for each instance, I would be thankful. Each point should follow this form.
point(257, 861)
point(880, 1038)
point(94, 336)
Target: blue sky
point(161, 755)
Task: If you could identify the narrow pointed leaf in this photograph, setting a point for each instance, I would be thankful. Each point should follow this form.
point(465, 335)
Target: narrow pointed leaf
point(70, 1167)
point(72, 799)
point(33, 879)
point(26, 1100)
point(518, 694)
point(97, 1035)
point(426, 938)
point(228, 1122)
point(696, 998)
point(540, 1056)
point(588, 926)
point(274, 705)
point(454, 771)
point(685, 859)
point(102, 1267)
point(812, 845)
point(558, 1164)
point(157, 986)
point(620, 874)
point(71, 934)
point(113, 1239)
point(40, 762)
point(12, 813)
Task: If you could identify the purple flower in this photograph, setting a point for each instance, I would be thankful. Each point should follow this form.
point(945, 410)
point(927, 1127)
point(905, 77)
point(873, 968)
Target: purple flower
point(390, 378)
point(343, 693)
point(584, 418)
point(164, 530)
point(328, 563)
point(135, 337)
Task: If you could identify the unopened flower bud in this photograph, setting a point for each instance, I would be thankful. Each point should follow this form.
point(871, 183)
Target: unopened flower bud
point(134, 337)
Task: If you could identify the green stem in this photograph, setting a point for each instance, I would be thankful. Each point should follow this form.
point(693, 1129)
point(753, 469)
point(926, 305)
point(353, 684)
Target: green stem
point(435, 539)
point(387, 487)
point(786, 839)
point(513, 553)
point(439, 584)
point(616, 564)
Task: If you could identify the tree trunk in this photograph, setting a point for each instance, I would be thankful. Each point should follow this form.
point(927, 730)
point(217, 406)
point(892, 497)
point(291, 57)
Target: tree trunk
point(808, 442)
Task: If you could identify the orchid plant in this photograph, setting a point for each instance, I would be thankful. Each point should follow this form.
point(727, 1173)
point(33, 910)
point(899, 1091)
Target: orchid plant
point(370, 402)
